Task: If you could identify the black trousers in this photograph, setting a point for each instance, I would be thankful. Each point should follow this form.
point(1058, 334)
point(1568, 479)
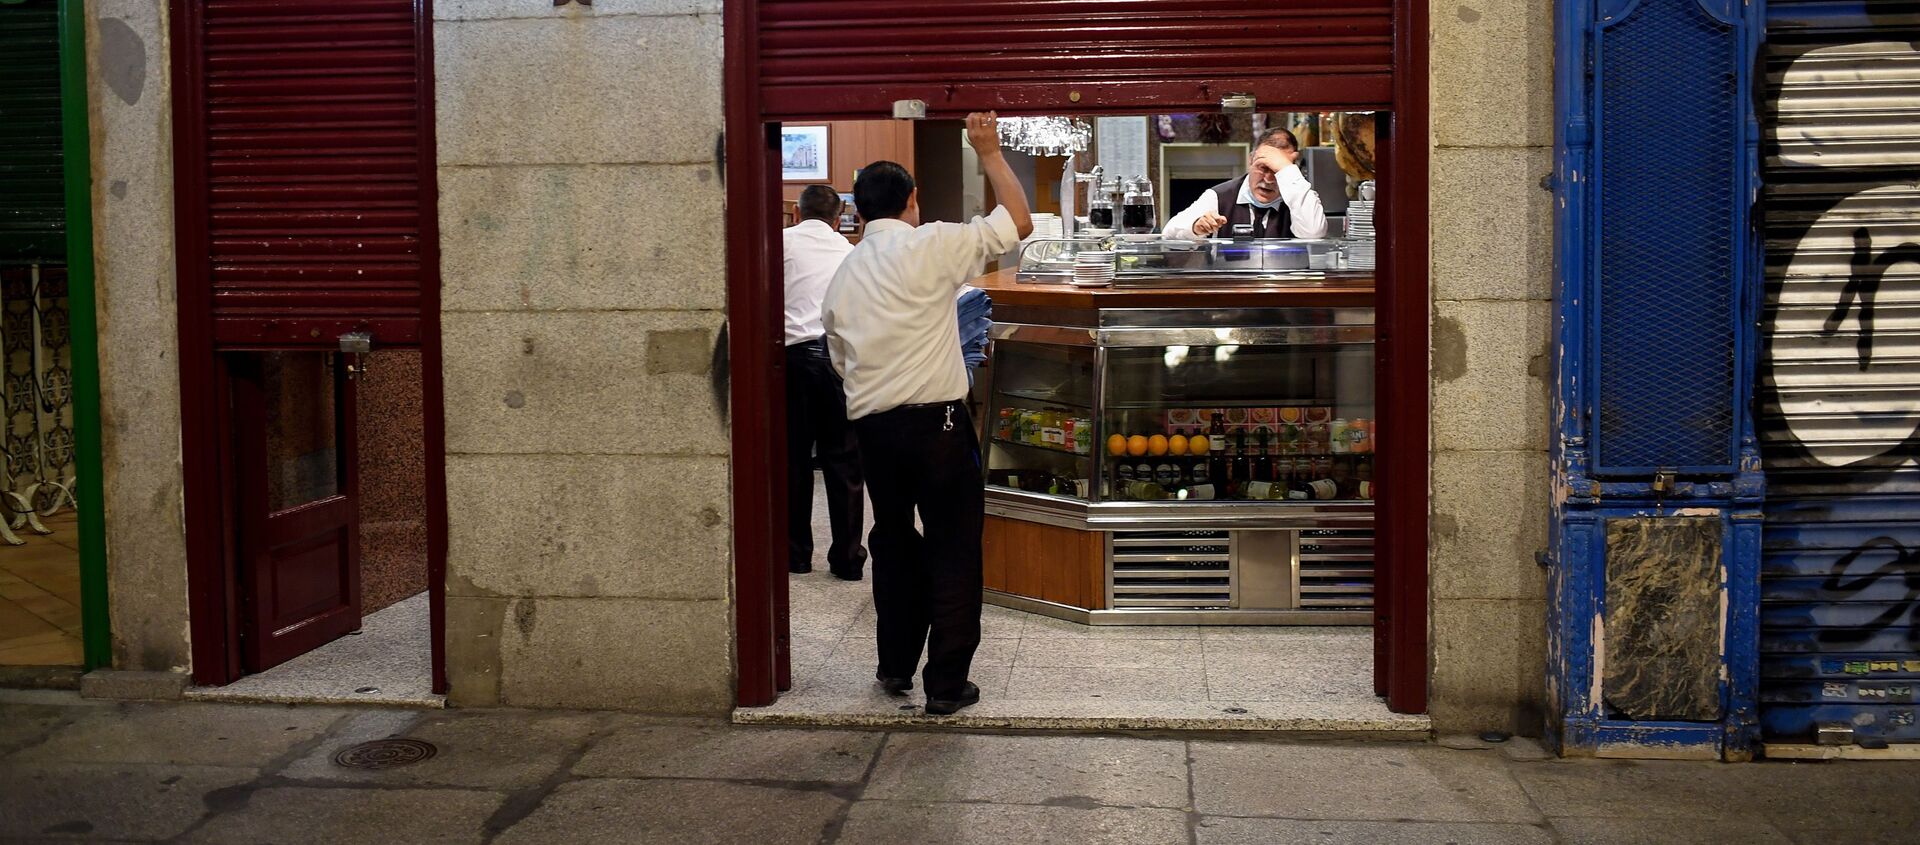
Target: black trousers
point(926, 589)
point(817, 417)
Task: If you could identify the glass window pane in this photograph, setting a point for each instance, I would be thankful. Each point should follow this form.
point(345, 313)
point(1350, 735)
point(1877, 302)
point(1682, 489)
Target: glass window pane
point(303, 464)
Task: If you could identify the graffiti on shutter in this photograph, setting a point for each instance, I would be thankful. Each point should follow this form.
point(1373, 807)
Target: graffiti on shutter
point(1839, 392)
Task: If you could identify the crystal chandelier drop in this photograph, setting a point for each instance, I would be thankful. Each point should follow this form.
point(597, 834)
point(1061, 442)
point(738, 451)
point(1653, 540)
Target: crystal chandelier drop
point(1045, 136)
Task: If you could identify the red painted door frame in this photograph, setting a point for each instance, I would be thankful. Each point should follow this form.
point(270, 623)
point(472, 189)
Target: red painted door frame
point(1402, 667)
point(208, 479)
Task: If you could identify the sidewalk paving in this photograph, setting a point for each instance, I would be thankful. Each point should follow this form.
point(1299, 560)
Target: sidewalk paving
point(74, 770)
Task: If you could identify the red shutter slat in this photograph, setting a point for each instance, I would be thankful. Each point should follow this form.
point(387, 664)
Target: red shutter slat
point(311, 157)
point(819, 58)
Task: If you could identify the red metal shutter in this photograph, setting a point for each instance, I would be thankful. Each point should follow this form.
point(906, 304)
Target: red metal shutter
point(832, 58)
point(311, 190)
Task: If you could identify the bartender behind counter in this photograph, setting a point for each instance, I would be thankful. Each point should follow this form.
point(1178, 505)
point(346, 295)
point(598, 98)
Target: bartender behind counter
point(1273, 199)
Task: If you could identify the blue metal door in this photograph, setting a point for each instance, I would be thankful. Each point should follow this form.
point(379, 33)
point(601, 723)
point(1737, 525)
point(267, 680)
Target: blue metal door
point(1839, 375)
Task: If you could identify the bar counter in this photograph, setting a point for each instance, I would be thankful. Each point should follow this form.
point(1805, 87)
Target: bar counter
point(1347, 291)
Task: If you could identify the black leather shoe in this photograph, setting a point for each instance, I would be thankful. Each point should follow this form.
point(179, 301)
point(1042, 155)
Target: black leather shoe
point(799, 570)
point(848, 576)
point(969, 696)
point(893, 686)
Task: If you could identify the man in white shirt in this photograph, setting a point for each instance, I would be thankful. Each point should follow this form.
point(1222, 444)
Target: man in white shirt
point(816, 403)
point(889, 318)
point(1274, 199)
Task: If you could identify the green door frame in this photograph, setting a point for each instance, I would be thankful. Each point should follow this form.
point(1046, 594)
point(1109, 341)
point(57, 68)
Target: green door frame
point(90, 491)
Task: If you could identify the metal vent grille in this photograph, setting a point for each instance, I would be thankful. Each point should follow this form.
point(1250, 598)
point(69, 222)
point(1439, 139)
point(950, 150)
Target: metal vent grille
point(1172, 569)
point(1664, 392)
point(1336, 568)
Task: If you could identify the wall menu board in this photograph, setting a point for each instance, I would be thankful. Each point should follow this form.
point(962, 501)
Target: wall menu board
point(1122, 145)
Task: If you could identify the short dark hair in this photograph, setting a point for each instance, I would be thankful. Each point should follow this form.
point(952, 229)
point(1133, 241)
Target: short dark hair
point(881, 190)
point(1279, 137)
point(820, 202)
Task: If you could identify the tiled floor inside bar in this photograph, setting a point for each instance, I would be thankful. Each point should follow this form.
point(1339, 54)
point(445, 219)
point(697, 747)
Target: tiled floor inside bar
point(1039, 672)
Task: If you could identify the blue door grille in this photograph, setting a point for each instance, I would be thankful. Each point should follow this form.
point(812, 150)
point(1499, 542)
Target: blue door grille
point(1667, 304)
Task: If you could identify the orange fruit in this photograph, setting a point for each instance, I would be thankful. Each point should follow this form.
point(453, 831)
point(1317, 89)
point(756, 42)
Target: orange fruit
point(1117, 444)
point(1198, 444)
point(1157, 444)
point(1177, 445)
point(1137, 445)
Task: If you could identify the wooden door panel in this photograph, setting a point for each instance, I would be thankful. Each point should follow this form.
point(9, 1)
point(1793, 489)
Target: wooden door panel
point(298, 486)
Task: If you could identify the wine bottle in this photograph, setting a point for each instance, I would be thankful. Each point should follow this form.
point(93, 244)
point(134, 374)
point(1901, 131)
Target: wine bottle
point(1262, 464)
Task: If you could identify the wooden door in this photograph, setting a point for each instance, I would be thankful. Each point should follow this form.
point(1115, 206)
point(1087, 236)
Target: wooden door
point(297, 548)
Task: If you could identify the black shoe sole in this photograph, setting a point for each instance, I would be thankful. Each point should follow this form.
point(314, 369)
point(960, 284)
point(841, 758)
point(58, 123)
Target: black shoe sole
point(845, 577)
point(948, 707)
point(793, 571)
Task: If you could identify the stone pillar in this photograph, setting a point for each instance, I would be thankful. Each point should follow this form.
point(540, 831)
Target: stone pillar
point(584, 285)
point(130, 105)
point(1492, 107)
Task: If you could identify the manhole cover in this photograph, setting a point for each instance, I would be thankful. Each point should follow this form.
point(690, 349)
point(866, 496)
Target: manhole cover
point(384, 754)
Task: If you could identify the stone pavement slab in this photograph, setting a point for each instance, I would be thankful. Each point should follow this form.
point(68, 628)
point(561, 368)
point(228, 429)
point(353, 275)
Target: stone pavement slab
point(656, 812)
point(502, 750)
point(26, 724)
point(712, 751)
point(895, 822)
point(1356, 782)
point(202, 735)
point(347, 816)
point(1233, 831)
point(107, 801)
point(1619, 831)
point(1644, 789)
point(1080, 771)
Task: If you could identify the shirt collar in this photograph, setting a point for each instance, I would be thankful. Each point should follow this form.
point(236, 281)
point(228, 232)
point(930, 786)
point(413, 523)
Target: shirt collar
point(886, 224)
point(815, 222)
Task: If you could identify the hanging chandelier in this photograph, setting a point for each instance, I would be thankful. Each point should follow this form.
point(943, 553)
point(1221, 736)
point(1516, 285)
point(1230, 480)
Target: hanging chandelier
point(1045, 136)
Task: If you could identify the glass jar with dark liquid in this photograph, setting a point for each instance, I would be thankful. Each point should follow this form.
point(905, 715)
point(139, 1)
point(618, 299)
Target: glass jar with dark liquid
point(1136, 210)
point(1100, 213)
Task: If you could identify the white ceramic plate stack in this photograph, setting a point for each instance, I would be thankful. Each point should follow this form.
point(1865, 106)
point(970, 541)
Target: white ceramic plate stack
point(1360, 235)
point(1093, 268)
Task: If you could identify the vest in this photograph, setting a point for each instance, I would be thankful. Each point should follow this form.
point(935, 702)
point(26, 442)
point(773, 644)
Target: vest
point(1269, 223)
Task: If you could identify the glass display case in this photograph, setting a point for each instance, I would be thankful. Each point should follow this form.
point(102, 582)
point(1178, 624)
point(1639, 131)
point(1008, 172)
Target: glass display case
point(1187, 465)
point(1142, 409)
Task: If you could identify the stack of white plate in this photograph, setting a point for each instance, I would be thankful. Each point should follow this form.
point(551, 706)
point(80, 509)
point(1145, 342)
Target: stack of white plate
point(1360, 235)
point(1360, 219)
point(1093, 268)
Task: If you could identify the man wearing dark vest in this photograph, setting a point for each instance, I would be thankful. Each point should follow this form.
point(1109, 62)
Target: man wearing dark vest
point(1273, 200)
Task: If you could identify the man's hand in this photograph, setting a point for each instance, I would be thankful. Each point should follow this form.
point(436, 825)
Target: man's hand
point(1208, 224)
point(983, 132)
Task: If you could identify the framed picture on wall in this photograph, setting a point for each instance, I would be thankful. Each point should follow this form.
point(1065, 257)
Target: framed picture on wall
point(803, 153)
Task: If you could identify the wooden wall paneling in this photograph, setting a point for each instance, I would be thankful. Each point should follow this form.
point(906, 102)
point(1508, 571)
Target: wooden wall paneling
point(993, 558)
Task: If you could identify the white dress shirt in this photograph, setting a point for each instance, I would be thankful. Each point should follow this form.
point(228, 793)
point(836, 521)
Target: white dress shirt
point(892, 330)
point(1303, 203)
point(813, 254)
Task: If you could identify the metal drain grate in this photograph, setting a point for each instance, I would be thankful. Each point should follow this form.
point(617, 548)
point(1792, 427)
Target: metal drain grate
point(385, 754)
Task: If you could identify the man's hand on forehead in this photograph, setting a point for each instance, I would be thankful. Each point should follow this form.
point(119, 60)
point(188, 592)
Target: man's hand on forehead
point(1273, 159)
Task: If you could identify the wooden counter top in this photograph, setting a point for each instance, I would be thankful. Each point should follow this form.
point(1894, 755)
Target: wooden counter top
point(1355, 293)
